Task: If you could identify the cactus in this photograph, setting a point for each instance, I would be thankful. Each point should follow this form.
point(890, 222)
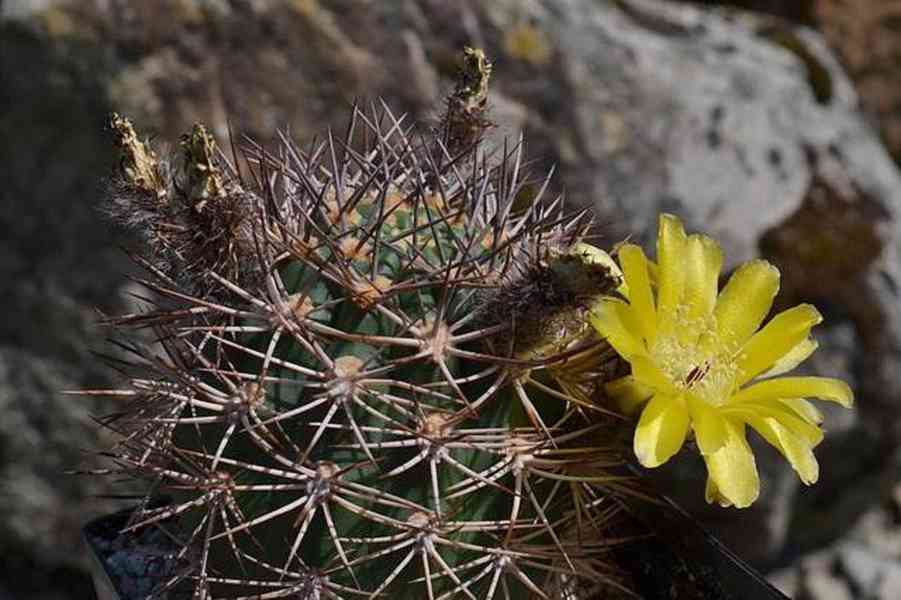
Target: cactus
point(371, 373)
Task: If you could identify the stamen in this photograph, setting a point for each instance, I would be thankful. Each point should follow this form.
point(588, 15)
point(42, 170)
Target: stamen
point(697, 373)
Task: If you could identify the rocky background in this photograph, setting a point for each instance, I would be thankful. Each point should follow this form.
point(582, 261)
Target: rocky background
point(775, 131)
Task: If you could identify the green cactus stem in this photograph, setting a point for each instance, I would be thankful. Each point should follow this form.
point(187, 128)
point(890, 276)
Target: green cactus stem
point(373, 377)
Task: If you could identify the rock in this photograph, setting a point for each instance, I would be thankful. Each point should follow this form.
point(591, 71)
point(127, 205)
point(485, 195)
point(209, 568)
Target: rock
point(17, 9)
point(871, 575)
point(824, 586)
point(862, 567)
point(862, 34)
point(879, 531)
point(868, 45)
point(847, 570)
point(58, 263)
point(423, 78)
point(817, 579)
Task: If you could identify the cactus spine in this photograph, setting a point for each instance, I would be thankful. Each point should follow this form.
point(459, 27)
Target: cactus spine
point(373, 376)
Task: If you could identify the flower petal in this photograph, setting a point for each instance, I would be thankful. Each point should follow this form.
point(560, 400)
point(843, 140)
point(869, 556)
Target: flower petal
point(646, 371)
point(712, 494)
point(777, 339)
point(824, 388)
point(812, 434)
point(671, 270)
point(607, 319)
point(661, 430)
point(709, 426)
point(745, 302)
point(628, 393)
point(793, 447)
point(635, 269)
point(704, 259)
point(732, 469)
point(804, 409)
point(795, 357)
point(653, 273)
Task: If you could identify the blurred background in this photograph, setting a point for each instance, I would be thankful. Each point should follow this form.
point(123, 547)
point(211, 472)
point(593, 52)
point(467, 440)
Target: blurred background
point(773, 126)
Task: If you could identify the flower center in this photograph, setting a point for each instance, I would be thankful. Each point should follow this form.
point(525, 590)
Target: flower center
point(707, 376)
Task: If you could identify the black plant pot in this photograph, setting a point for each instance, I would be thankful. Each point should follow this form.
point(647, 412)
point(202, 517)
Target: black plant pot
point(129, 565)
point(675, 557)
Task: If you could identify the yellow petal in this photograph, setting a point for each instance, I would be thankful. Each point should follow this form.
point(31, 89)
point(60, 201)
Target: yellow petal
point(635, 269)
point(795, 357)
point(703, 262)
point(777, 338)
point(628, 393)
point(732, 469)
point(802, 428)
point(745, 302)
point(708, 425)
point(646, 371)
point(653, 273)
point(671, 270)
point(607, 319)
point(824, 388)
point(812, 434)
point(793, 447)
point(661, 430)
point(712, 494)
point(804, 409)
point(631, 321)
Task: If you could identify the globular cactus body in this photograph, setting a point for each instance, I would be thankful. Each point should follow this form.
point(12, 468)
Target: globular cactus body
point(375, 374)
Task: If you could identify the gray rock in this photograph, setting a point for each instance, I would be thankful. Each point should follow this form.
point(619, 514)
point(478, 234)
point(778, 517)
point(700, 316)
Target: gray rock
point(818, 580)
point(58, 263)
point(863, 568)
point(878, 530)
point(824, 586)
point(17, 9)
point(872, 575)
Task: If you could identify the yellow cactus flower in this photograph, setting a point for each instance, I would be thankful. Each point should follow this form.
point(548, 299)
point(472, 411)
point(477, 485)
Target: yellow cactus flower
point(700, 362)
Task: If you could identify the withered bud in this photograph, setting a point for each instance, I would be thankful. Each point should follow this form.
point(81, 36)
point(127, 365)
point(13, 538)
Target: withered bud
point(466, 116)
point(140, 166)
point(472, 82)
point(205, 179)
